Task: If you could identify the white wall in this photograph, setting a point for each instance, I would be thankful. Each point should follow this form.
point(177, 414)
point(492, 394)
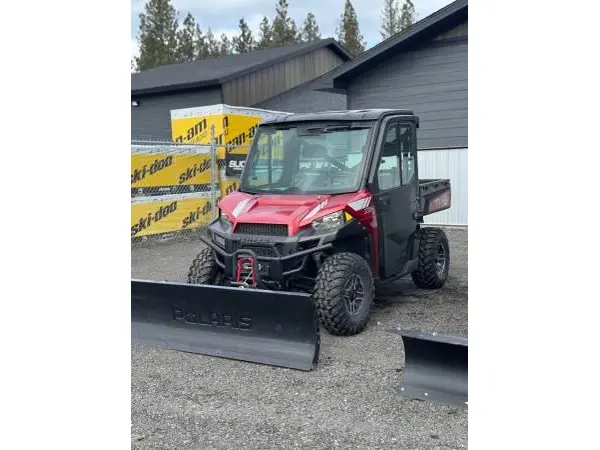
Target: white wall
point(450, 164)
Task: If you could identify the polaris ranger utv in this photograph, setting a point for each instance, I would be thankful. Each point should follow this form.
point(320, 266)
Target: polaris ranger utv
point(329, 204)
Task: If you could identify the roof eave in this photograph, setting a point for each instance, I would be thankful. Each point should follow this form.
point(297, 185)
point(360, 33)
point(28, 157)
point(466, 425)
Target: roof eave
point(175, 88)
point(340, 50)
point(419, 32)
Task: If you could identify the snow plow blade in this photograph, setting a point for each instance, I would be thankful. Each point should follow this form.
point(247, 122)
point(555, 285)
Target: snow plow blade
point(266, 327)
point(436, 367)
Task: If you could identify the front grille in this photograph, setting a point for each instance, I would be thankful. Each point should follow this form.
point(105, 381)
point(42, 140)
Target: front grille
point(261, 229)
point(258, 250)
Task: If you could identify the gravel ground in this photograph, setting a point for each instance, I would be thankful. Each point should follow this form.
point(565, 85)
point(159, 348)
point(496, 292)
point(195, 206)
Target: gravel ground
point(350, 401)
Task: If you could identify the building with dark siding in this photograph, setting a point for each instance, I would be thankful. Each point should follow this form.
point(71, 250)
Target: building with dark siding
point(281, 78)
point(423, 69)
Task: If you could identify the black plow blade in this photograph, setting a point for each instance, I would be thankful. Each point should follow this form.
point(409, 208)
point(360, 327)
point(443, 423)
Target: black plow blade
point(266, 327)
point(436, 367)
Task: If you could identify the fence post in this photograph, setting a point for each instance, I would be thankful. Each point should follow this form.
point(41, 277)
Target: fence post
point(213, 172)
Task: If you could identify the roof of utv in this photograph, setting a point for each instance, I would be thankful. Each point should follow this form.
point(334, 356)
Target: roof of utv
point(352, 115)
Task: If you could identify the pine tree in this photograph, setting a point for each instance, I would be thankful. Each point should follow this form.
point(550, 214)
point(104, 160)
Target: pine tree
point(310, 30)
point(213, 47)
point(390, 18)
point(349, 32)
point(225, 45)
point(186, 47)
point(265, 38)
point(201, 44)
point(244, 42)
point(284, 28)
point(157, 35)
point(407, 16)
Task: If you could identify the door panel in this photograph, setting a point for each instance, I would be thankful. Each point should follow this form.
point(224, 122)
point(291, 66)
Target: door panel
point(395, 190)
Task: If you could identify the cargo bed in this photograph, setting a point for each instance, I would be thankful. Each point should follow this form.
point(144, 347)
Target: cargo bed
point(434, 196)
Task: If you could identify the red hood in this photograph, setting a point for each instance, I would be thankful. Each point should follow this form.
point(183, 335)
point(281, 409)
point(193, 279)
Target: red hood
point(295, 211)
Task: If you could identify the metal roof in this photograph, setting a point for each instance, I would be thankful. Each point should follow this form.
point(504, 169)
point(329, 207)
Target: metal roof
point(213, 72)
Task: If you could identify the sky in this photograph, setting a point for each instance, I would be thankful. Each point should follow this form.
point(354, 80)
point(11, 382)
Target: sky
point(223, 17)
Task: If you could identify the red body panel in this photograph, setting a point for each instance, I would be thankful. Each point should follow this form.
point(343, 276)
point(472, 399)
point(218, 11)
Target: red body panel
point(367, 216)
point(298, 211)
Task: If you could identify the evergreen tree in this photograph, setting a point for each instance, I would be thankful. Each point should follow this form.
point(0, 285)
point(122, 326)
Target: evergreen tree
point(310, 30)
point(157, 35)
point(284, 28)
point(265, 38)
point(244, 42)
point(408, 15)
point(213, 47)
point(201, 44)
point(186, 46)
point(225, 46)
point(390, 18)
point(349, 32)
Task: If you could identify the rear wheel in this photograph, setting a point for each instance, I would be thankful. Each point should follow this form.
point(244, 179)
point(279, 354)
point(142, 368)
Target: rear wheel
point(343, 294)
point(434, 259)
point(204, 269)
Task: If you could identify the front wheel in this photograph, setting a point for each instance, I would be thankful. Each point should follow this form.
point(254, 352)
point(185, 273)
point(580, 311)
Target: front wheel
point(344, 292)
point(204, 269)
point(434, 259)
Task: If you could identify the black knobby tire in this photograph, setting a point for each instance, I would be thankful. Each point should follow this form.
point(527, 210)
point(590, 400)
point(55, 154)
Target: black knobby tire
point(339, 312)
point(434, 259)
point(204, 269)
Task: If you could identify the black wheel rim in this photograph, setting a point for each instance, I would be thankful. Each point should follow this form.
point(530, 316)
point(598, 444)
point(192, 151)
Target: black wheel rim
point(354, 295)
point(440, 260)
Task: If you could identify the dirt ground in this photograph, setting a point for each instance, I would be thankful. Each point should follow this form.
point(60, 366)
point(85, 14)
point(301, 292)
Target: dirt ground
point(350, 401)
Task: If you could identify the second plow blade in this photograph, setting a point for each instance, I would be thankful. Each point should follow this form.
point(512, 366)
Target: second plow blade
point(436, 367)
point(267, 327)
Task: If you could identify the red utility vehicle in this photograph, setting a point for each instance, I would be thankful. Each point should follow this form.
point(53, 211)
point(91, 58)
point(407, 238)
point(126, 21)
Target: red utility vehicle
point(330, 204)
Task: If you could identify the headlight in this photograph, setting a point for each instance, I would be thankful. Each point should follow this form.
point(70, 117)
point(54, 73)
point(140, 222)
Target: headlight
point(329, 221)
point(224, 220)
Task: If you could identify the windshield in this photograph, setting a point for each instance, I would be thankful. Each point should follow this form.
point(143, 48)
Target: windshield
point(309, 158)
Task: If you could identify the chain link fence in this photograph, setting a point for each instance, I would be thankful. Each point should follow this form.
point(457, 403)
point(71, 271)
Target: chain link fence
point(175, 187)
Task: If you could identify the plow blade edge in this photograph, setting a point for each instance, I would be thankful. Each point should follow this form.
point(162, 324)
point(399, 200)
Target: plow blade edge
point(267, 327)
point(436, 368)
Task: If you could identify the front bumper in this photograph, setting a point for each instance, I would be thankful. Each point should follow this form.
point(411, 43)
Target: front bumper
point(276, 257)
